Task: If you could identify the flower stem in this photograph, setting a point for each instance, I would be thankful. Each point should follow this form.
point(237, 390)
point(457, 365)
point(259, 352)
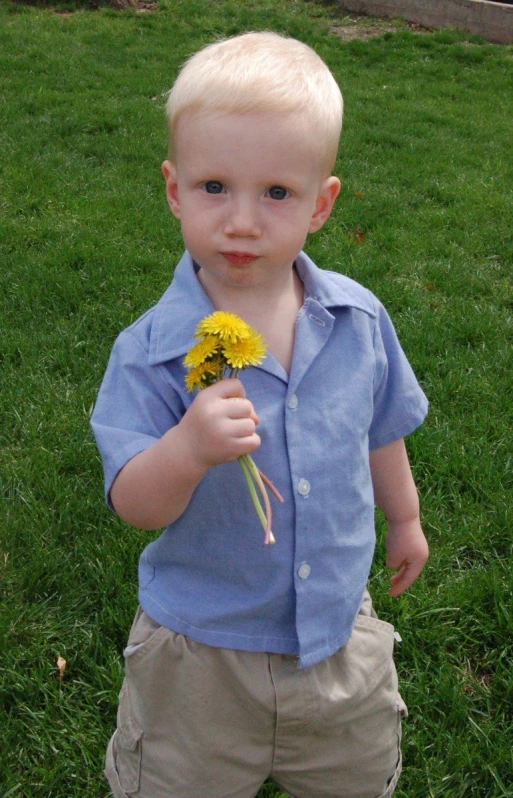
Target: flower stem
point(254, 496)
point(270, 485)
point(254, 474)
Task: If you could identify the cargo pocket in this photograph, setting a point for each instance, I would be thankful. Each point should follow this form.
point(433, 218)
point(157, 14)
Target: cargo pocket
point(123, 760)
point(402, 712)
point(376, 662)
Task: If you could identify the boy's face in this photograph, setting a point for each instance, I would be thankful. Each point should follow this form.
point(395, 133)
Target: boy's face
point(247, 189)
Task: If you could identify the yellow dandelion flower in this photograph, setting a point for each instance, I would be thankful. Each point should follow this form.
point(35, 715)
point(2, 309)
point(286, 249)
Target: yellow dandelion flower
point(204, 349)
point(193, 380)
point(245, 352)
point(202, 375)
point(227, 326)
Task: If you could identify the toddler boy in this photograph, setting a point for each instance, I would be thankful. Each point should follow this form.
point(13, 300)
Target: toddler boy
point(248, 661)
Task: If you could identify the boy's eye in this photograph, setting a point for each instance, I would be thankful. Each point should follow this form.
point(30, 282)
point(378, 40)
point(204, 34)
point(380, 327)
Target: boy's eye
point(213, 187)
point(278, 192)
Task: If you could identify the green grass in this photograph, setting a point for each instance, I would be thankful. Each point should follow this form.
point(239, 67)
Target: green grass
point(87, 243)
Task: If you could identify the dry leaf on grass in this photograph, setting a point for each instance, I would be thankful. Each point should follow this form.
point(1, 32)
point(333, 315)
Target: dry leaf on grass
point(61, 666)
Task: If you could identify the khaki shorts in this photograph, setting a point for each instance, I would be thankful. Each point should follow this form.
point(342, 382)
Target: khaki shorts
point(201, 722)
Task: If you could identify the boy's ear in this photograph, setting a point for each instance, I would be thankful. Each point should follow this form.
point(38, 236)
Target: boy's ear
point(169, 172)
point(324, 204)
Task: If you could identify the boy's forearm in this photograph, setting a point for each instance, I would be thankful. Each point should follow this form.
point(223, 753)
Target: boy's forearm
point(154, 487)
point(395, 492)
point(396, 495)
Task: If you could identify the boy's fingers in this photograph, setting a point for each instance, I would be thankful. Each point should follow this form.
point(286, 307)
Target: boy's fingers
point(233, 389)
point(240, 408)
point(229, 387)
point(404, 578)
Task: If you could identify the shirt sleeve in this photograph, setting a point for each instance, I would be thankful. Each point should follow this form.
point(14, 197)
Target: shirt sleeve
point(400, 405)
point(136, 405)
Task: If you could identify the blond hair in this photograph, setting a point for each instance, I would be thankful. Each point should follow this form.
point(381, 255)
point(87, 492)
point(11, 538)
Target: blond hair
point(260, 72)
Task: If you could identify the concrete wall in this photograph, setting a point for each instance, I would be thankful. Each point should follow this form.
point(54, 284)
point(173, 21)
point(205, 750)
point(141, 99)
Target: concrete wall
point(492, 21)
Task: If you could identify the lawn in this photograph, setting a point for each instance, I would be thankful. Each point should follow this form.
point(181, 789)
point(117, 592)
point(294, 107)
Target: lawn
point(87, 243)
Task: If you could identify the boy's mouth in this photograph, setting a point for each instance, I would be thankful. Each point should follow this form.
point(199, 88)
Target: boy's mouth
point(239, 258)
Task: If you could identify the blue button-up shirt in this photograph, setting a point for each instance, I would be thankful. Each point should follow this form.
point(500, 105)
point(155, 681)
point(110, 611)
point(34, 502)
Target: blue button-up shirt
point(350, 389)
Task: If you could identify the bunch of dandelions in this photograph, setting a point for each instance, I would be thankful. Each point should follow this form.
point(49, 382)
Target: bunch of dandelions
point(226, 344)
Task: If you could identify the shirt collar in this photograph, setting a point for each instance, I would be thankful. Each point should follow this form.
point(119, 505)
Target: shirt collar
point(185, 303)
point(331, 289)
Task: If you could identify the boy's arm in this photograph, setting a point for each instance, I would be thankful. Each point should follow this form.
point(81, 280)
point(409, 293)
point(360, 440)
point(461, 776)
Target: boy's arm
point(396, 495)
point(154, 487)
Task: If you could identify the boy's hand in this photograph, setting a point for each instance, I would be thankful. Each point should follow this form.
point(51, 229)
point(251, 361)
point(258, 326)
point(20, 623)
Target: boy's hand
point(407, 552)
point(220, 424)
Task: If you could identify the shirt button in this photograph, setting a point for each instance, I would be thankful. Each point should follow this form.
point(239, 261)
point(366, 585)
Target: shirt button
point(304, 571)
point(303, 487)
point(293, 402)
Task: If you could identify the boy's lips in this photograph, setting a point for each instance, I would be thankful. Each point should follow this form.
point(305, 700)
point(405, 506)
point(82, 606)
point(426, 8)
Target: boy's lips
point(239, 258)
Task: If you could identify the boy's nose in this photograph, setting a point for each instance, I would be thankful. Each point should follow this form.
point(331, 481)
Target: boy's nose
point(242, 220)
